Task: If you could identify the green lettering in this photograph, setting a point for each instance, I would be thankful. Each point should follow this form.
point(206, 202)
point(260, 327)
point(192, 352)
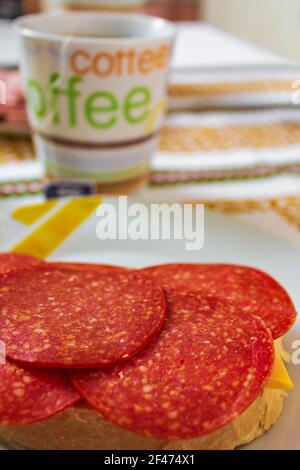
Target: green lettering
point(72, 95)
point(92, 109)
point(53, 88)
point(36, 99)
point(135, 104)
point(69, 92)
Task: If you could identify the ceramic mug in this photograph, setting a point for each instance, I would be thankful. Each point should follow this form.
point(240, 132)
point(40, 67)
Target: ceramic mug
point(96, 90)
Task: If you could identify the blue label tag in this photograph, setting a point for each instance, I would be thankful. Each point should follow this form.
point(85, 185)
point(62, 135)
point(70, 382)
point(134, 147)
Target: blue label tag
point(59, 189)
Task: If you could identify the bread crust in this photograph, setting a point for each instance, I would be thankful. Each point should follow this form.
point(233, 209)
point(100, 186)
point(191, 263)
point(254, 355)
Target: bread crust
point(81, 428)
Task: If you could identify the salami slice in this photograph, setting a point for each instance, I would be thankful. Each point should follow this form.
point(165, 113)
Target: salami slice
point(30, 395)
point(246, 289)
point(60, 317)
point(101, 268)
point(206, 367)
point(9, 261)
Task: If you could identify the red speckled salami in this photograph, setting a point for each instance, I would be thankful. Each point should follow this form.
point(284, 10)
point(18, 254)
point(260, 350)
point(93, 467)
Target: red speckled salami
point(29, 395)
point(60, 317)
point(9, 261)
point(204, 369)
point(101, 268)
point(247, 289)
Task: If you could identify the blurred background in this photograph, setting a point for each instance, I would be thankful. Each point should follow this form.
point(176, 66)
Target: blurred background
point(172, 9)
point(232, 132)
point(260, 21)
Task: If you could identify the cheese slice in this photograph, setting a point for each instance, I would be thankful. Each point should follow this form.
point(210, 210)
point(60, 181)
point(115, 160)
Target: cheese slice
point(279, 349)
point(280, 379)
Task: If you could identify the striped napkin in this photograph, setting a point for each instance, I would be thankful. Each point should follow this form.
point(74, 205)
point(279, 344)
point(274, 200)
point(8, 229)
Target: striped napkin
point(20, 173)
point(229, 154)
point(216, 155)
point(233, 86)
point(233, 128)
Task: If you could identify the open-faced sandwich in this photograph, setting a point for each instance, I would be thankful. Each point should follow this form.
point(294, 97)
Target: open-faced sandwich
point(169, 357)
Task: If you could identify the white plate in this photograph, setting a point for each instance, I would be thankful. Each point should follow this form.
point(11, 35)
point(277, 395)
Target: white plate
point(226, 240)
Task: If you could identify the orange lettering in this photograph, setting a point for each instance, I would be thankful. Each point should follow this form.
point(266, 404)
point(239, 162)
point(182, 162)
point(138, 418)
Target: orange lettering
point(146, 61)
point(122, 62)
point(76, 58)
point(120, 57)
point(163, 57)
point(98, 62)
point(131, 54)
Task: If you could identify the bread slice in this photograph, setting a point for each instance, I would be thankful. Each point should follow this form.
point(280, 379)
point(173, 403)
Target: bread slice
point(81, 428)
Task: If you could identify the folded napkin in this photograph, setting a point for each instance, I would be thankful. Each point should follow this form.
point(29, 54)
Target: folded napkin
point(233, 129)
point(204, 155)
point(228, 146)
point(212, 69)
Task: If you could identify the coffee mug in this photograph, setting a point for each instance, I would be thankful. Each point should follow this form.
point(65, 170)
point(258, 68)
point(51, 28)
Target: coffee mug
point(105, 5)
point(96, 92)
